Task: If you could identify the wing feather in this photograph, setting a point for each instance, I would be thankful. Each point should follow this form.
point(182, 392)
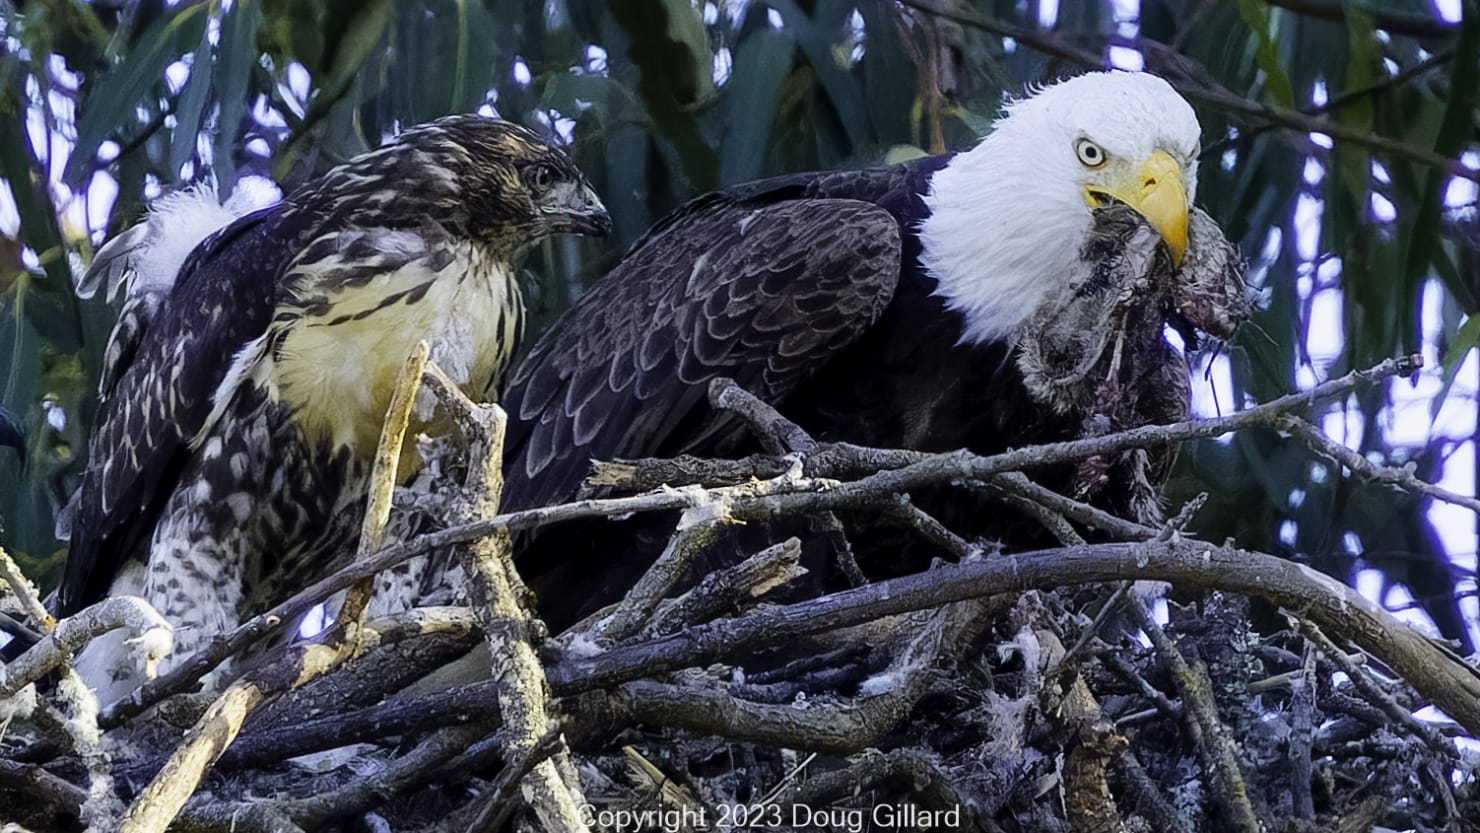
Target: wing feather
point(161, 394)
point(727, 287)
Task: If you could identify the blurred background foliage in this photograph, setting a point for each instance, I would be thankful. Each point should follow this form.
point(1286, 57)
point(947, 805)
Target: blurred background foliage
point(1340, 151)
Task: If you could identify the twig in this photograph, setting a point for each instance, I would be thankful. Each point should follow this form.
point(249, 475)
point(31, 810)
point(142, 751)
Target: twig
point(1144, 794)
point(697, 530)
point(383, 484)
point(904, 512)
point(1056, 524)
point(24, 591)
point(159, 803)
point(397, 716)
point(777, 434)
point(1212, 739)
point(48, 791)
point(496, 593)
point(234, 817)
point(415, 768)
point(1435, 673)
point(498, 801)
point(1403, 478)
point(1123, 668)
point(1374, 693)
point(152, 639)
point(729, 588)
point(846, 727)
point(1302, 736)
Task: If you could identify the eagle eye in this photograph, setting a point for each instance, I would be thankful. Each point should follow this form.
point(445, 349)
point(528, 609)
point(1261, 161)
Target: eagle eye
point(1090, 154)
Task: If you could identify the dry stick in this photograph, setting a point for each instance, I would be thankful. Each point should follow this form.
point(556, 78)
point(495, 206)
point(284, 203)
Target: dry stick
point(500, 800)
point(1374, 693)
point(696, 531)
point(24, 591)
point(1434, 672)
point(907, 514)
point(1215, 745)
point(776, 433)
point(846, 727)
point(1056, 524)
point(1302, 736)
point(383, 478)
point(729, 588)
point(234, 817)
point(151, 637)
point(49, 792)
point(415, 768)
point(157, 805)
point(897, 471)
point(496, 592)
point(1368, 470)
point(455, 706)
point(79, 726)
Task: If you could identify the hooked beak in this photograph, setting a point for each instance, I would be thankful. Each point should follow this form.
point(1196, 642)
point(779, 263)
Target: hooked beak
point(1155, 190)
point(575, 209)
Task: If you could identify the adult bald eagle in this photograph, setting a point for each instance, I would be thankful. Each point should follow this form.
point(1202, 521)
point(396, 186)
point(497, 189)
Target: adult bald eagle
point(243, 396)
point(885, 307)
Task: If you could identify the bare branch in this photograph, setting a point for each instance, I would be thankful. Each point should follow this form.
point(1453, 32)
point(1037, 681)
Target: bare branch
point(1403, 478)
point(383, 483)
point(1436, 673)
point(497, 595)
point(24, 591)
point(152, 640)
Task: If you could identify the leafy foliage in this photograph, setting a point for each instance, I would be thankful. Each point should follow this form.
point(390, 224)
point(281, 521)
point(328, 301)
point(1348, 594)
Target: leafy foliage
point(1322, 121)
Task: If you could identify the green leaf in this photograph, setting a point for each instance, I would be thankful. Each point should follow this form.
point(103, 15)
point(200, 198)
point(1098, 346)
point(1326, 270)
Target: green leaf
point(1255, 14)
point(112, 98)
point(38, 216)
point(817, 37)
point(191, 106)
point(1455, 129)
point(1465, 339)
point(761, 64)
point(233, 71)
point(361, 34)
point(670, 48)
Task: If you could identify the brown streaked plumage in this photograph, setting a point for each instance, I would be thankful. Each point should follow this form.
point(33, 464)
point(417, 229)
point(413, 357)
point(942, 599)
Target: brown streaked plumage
point(240, 417)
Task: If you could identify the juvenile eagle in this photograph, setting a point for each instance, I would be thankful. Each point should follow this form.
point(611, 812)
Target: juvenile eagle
point(885, 307)
point(243, 397)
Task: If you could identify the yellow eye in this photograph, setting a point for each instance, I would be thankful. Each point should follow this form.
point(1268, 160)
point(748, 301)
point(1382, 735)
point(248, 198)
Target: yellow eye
point(1090, 154)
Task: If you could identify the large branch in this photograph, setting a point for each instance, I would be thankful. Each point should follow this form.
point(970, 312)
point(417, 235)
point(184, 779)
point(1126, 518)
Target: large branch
point(1434, 672)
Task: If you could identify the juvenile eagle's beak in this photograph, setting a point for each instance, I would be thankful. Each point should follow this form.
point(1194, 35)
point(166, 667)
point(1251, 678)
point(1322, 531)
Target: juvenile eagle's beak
point(1155, 190)
point(573, 208)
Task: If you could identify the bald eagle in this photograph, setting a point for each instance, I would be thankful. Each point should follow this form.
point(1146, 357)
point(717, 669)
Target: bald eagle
point(245, 388)
point(886, 307)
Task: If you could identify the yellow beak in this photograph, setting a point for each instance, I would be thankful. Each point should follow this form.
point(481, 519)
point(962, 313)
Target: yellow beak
point(1155, 190)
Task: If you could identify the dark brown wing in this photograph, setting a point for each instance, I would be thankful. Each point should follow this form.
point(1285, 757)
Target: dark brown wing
point(159, 395)
point(759, 291)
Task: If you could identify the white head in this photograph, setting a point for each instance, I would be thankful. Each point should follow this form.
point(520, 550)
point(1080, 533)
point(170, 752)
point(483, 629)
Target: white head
point(1007, 218)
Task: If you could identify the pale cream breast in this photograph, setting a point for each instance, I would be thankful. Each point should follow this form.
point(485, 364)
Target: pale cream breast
point(337, 369)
